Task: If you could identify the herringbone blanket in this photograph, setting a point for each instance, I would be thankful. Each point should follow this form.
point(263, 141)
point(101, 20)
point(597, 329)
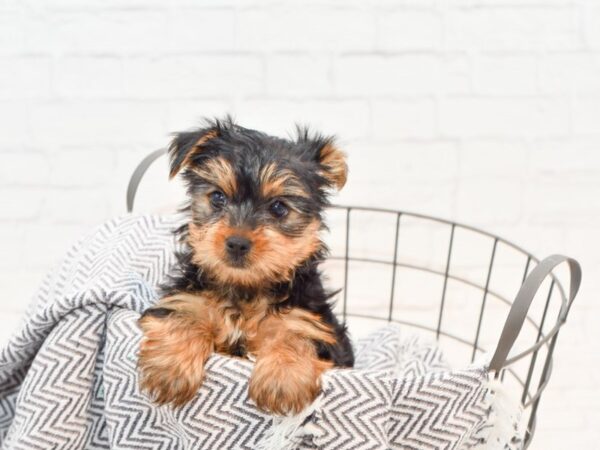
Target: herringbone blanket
point(68, 376)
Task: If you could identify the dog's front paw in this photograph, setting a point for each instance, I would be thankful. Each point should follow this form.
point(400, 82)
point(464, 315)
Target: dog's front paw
point(172, 356)
point(285, 387)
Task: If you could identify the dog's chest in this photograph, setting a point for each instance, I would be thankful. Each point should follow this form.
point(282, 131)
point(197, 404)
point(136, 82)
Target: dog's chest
point(241, 322)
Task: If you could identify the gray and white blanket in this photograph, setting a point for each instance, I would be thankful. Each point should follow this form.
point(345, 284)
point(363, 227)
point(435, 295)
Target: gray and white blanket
point(68, 377)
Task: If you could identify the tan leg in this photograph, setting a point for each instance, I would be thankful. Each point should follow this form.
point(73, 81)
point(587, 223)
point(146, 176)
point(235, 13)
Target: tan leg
point(286, 375)
point(180, 333)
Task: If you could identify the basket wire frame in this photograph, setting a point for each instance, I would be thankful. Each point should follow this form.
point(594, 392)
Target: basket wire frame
point(530, 395)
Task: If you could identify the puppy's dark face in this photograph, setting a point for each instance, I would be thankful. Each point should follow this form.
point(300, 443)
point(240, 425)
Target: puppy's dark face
point(255, 200)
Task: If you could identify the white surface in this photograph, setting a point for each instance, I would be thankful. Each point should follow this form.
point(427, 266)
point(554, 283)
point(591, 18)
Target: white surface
point(483, 111)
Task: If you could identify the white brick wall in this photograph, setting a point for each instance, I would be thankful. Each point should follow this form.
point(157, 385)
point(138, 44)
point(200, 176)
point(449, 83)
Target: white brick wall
point(483, 111)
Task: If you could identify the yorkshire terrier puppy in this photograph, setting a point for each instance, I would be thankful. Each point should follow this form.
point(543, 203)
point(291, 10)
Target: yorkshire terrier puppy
point(248, 282)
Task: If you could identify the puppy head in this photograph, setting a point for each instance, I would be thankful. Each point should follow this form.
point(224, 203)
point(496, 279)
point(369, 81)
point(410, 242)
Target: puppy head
point(255, 200)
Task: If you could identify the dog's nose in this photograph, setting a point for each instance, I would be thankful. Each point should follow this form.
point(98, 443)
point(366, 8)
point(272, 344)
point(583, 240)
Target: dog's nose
point(238, 246)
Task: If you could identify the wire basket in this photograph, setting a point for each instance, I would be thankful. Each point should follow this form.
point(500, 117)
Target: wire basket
point(466, 305)
point(470, 289)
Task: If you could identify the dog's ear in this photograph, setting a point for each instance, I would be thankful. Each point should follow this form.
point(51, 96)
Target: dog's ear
point(333, 164)
point(323, 150)
point(186, 145)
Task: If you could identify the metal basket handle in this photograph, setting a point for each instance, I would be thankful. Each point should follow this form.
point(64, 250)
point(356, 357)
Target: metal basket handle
point(138, 174)
point(520, 307)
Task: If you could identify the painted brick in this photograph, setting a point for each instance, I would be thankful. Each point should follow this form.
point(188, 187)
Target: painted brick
point(12, 236)
point(404, 119)
point(403, 162)
point(183, 77)
point(10, 323)
point(99, 5)
point(586, 110)
point(24, 168)
point(112, 31)
point(54, 239)
point(457, 74)
point(15, 117)
point(495, 117)
point(348, 119)
point(512, 29)
point(494, 158)
point(590, 15)
point(75, 206)
point(553, 203)
point(577, 73)
point(104, 122)
point(20, 204)
point(381, 75)
point(298, 75)
point(21, 284)
point(71, 168)
point(12, 36)
point(24, 77)
point(483, 202)
point(88, 77)
point(184, 114)
point(553, 162)
point(410, 30)
point(305, 28)
point(201, 29)
point(505, 75)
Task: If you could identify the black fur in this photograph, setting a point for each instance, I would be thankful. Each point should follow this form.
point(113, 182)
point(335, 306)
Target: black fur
point(249, 151)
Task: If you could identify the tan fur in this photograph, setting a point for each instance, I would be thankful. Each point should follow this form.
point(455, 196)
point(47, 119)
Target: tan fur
point(336, 170)
point(273, 255)
point(306, 324)
point(197, 148)
point(286, 375)
point(220, 173)
point(280, 183)
point(175, 349)
point(201, 205)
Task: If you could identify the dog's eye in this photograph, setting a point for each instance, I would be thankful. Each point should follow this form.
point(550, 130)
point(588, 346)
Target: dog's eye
point(279, 209)
point(217, 199)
